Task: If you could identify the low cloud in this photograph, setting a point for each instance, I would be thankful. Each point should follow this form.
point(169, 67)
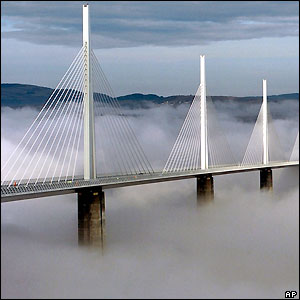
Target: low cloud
point(156, 128)
point(158, 244)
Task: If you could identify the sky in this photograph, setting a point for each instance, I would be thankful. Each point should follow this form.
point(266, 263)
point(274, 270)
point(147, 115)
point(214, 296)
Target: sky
point(154, 47)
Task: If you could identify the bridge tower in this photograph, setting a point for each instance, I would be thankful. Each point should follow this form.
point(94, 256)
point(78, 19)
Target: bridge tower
point(203, 116)
point(266, 182)
point(205, 183)
point(91, 201)
point(89, 122)
point(265, 125)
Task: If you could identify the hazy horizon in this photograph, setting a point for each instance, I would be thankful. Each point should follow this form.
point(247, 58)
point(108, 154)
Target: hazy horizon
point(297, 92)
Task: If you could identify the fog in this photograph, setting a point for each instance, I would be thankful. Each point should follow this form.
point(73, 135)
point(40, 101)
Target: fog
point(159, 244)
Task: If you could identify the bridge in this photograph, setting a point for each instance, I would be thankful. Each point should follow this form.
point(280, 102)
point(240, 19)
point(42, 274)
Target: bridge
point(47, 161)
point(23, 192)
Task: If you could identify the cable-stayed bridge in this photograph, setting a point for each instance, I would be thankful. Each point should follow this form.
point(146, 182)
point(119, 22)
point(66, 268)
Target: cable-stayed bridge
point(65, 148)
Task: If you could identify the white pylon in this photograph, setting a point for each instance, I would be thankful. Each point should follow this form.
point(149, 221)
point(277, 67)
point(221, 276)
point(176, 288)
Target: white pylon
point(89, 124)
point(203, 116)
point(265, 125)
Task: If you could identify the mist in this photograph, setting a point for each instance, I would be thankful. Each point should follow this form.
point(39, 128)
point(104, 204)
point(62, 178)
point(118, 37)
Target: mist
point(159, 244)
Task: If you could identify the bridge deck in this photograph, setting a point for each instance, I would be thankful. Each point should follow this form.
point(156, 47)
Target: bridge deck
point(22, 192)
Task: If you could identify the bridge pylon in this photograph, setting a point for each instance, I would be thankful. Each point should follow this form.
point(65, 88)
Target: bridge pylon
point(88, 114)
point(91, 217)
point(266, 179)
point(205, 189)
point(203, 116)
point(91, 201)
point(265, 124)
point(205, 183)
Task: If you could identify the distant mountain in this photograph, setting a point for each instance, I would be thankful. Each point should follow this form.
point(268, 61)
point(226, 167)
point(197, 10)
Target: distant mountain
point(20, 95)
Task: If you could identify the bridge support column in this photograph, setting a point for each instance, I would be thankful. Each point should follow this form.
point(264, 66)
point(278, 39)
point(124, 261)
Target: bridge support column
point(91, 217)
point(205, 188)
point(266, 181)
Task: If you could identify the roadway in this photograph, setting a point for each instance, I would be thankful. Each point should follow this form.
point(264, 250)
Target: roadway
point(32, 190)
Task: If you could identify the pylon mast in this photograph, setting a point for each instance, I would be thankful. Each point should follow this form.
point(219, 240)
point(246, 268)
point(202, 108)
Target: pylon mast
point(265, 125)
point(89, 122)
point(203, 116)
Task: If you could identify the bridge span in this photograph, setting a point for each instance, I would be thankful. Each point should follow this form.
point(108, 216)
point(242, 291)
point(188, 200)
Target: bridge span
point(29, 191)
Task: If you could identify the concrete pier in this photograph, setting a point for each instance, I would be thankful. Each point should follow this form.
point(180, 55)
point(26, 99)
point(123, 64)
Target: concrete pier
point(266, 181)
point(205, 188)
point(91, 217)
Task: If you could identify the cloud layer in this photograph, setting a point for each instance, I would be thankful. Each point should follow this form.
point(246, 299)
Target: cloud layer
point(129, 24)
point(157, 128)
point(158, 244)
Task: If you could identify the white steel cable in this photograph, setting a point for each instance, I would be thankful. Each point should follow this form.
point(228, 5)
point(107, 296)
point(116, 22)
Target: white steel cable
point(119, 164)
point(73, 106)
point(195, 138)
point(16, 160)
point(35, 120)
point(80, 116)
point(197, 143)
point(78, 143)
point(67, 103)
point(185, 151)
point(71, 137)
point(181, 138)
point(114, 132)
point(60, 124)
point(295, 151)
point(111, 130)
point(169, 167)
point(184, 163)
point(172, 162)
point(73, 113)
point(112, 143)
point(255, 143)
point(117, 106)
point(124, 139)
point(99, 107)
point(221, 151)
point(276, 152)
point(45, 134)
point(113, 126)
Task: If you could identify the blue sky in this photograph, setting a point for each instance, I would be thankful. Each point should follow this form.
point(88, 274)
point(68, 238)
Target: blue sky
point(154, 47)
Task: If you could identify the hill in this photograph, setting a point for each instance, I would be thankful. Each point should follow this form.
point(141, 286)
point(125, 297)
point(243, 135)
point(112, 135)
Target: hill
point(20, 95)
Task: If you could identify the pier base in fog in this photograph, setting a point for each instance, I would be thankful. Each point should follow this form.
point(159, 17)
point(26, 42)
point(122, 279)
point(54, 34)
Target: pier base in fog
point(205, 188)
point(91, 217)
point(266, 181)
